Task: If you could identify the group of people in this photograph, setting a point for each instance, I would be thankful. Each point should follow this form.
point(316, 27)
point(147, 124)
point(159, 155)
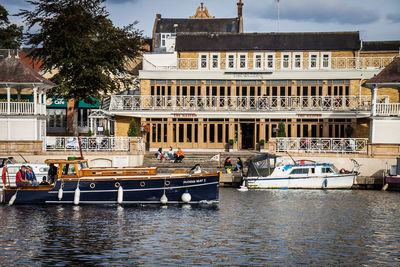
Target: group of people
point(26, 177)
point(229, 167)
point(170, 155)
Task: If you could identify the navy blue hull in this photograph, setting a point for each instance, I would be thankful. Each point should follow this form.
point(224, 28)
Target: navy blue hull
point(204, 188)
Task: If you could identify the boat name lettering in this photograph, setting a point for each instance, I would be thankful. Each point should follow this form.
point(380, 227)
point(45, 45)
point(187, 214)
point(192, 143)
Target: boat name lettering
point(194, 181)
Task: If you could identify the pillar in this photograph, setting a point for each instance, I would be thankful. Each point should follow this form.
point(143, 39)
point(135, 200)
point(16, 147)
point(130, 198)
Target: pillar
point(8, 100)
point(35, 100)
point(374, 98)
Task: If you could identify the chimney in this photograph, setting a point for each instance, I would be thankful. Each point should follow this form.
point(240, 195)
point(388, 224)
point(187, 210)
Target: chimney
point(153, 43)
point(240, 15)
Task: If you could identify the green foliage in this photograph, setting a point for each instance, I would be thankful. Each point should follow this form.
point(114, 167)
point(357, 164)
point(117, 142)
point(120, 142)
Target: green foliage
point(107, 132)
point(89, 133)
point(77, 38)
point(262, 142)
point(231, 142)
point(281, 129)
point(10, 34)
point(132, 131)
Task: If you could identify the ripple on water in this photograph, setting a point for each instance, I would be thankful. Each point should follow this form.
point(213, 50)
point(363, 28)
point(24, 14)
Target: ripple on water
point(289, 227)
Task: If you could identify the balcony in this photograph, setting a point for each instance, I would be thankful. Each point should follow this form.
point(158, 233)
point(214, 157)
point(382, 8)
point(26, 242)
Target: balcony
point(275, 64)
point(387, 109)
point(22, 108)
point(245, 103)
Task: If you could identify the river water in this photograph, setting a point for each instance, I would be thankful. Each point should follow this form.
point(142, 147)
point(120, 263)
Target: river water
point(272, 227)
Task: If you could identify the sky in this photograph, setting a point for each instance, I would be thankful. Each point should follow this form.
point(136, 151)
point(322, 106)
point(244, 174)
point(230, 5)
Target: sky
point(374, 19)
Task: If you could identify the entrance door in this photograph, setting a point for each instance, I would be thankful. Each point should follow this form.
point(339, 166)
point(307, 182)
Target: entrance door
point(247, 135)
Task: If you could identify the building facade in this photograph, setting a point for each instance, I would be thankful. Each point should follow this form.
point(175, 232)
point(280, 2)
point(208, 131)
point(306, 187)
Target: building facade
point(223, 88)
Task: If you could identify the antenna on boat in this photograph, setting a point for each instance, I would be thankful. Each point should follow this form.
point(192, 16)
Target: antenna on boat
point(80, 147)
point(291, 158)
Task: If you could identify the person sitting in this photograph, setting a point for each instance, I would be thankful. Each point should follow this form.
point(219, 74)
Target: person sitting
point(170, 153)
point(228, 165)
point(52, 173)
point(239, 165)
point(20, 178)
point(30, 175)
point(44, 182)
point(179, 156)
point(159, 154)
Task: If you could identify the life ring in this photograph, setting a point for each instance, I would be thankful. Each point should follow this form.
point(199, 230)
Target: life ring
point(92, 185)
point(117, 184)
point(167, 183)
point(142, 184)
point(4, 175)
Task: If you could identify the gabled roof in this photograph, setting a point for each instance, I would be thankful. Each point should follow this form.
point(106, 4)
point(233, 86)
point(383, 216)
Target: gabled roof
point(228, 25)
point(332, 41)
point(390, 75)
point(15, 70)
point(381, 46)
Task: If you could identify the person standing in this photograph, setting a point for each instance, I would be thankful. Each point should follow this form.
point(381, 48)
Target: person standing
point(52, 173)
point(20, 178)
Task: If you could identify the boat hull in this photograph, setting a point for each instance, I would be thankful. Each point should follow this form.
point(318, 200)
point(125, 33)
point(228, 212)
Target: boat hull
point(393, 183)
point(344, 181)
point(203, 188)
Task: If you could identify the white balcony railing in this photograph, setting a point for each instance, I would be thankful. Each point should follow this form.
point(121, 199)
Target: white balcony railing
point(387, 109)
point(55, 143)
point(291, 64)
point(22, 108)
point(237, 103)
point(322, 145)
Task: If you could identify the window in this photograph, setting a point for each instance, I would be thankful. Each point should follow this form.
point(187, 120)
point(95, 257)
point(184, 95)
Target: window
point(327, 170)
point(215, 61)
point(257, 61)
point(242, 61)
point(313, 60)
point(326, 60)
point(69, 169)
point(300, 171)
point(231, 62)
point(164, 37)
point(203, 61)
point(285, 61)
point(270, 61)
point(297, 63)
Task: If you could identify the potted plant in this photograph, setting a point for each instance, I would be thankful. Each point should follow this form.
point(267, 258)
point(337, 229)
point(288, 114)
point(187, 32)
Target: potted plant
point(262, 143)
point(230, 144)
point(89, 133)
point(281, 129)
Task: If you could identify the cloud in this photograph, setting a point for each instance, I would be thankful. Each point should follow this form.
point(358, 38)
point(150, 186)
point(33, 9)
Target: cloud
point(121, 1)
point(393, 17)
point(333, 11)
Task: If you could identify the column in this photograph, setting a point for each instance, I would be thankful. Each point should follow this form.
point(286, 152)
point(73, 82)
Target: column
point(40, 102)
point(35, 100)
point(8, 100)
point(374, 98)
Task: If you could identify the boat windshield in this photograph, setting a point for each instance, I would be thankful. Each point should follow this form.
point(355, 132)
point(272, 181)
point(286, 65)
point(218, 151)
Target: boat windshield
point(261, 166)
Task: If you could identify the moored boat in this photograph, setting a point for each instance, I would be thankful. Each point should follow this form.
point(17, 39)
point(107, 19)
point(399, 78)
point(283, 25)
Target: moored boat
point(392, 177)
point(265, 172)
point(77, 183)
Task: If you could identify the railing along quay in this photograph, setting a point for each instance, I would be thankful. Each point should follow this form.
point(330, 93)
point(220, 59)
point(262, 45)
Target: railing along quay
point(322, 145)
point(55, 143)
point(238, 103)
point(388, 109)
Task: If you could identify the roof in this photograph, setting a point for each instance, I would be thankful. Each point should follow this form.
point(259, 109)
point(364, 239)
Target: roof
point(228, 25)
point(389, 75)
point(381, 46)
point(269, 41)
point(15, 70)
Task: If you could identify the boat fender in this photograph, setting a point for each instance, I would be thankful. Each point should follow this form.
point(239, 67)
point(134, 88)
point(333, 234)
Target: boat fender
point(164, 199)
point(325, 183)
point(13, 198)
point(77, 195)
point(60, 193)
point(186, 197)
point(120, 195)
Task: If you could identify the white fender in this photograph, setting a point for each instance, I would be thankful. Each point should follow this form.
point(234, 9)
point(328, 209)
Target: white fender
point(186, 197)
point(77, 196)
point(13, 198)
point(60, 193)
point(120, 197)
point(164, 199)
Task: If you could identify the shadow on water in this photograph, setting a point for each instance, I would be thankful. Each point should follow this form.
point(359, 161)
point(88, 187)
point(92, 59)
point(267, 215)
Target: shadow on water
point(289, 227)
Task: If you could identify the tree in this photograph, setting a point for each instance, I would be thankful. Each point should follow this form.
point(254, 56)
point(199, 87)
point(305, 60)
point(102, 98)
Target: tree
point(89, 54)
point(10, 34)
point(132, 131)
point(281, 129)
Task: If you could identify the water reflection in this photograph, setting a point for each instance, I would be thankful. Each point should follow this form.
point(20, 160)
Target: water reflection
point(256, 227)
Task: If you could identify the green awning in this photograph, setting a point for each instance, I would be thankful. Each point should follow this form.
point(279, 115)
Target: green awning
point(60, 102)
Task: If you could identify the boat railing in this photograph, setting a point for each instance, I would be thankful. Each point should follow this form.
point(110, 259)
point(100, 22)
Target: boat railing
point(322, 145)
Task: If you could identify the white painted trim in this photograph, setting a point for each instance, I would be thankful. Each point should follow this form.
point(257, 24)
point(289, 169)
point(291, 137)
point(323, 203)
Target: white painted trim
point(261, 61)
point(212, 61)
point(282, 60)
point(294, 60)
point(317, 61)
point(207, 61)
point(273, 61)
point(329, 60)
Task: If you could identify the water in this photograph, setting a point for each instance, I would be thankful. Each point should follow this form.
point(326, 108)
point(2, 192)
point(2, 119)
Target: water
point(273, 227)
